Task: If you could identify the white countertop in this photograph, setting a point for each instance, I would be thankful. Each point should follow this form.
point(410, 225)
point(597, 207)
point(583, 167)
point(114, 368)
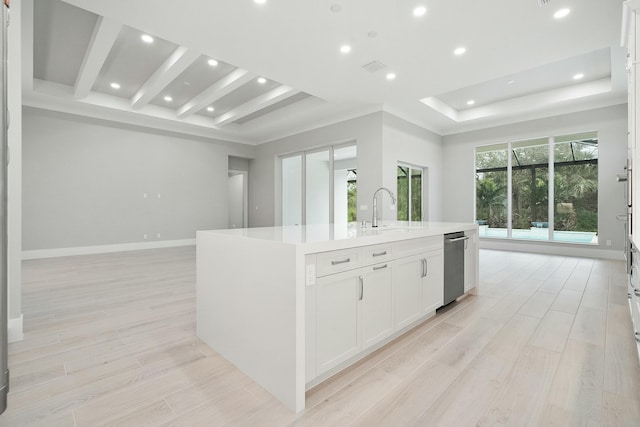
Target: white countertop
point(325, 237)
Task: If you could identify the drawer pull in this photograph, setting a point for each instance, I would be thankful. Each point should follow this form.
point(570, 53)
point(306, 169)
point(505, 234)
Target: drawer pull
point(380, 267)
point(424, 267)
point(379, 254)
point(344, 261)
point(361, 280)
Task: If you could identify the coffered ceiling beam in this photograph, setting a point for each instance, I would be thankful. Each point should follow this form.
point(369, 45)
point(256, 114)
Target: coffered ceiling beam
point(179, 61)
point(258, 103)
point(222, 87)
point(104, 35)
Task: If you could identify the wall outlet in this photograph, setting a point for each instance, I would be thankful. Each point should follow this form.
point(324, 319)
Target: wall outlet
point(158, 235)
point(311, 274)
point(145, 195)
point(144, 236)
point(608, 242)
point(159, 196)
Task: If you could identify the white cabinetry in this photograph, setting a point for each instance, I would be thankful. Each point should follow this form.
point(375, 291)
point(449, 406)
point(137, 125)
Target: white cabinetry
point(632, 35)
point(433, 282)
point(337, 319)
point(470, 260)
point(376, 299)
point(408, 274)
point(386, 289)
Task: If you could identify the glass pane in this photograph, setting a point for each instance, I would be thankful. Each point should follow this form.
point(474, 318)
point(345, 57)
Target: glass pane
point(317, 191)
point(576, 193)
point(530, 190)
point(532, 152)
point(292, 190)
point(402, 205)
point(416, 194)
point(344, 185)
point(491, 190)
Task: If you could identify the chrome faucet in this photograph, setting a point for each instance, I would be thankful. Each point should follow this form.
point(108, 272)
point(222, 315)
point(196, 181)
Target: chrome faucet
point(374, 221)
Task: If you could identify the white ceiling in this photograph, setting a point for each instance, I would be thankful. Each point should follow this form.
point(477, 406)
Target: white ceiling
point(79, 47)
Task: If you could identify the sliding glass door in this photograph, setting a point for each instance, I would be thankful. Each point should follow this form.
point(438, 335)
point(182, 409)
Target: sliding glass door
point(320, 186)
point(409, 188)
point(539, 189)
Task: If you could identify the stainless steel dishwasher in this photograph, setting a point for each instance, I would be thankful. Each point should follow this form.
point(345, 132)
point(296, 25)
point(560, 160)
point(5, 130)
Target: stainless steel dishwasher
point(454, 244)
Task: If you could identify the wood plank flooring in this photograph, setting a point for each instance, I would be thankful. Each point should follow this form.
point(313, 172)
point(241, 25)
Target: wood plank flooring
point(110, 340)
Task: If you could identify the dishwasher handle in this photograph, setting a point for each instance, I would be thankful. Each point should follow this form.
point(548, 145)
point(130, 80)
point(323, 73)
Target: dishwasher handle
point(457, 239)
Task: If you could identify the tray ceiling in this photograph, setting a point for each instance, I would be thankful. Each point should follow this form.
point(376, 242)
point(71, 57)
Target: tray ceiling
point(251, 72)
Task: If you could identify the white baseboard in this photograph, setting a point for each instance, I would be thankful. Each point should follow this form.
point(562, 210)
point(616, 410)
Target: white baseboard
point(103, 249)
point(561, 249)
point(14, 329)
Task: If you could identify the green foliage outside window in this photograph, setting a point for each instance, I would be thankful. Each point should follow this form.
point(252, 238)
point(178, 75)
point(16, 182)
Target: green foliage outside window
point(575, 185)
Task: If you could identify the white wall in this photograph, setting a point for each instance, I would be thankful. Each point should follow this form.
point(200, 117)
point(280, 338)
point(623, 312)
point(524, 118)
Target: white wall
point(264, 175)
point(407, 143)
point(611, 124)
point(84, 180)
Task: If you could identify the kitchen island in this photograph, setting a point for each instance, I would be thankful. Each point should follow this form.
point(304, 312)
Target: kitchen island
point(291, 306)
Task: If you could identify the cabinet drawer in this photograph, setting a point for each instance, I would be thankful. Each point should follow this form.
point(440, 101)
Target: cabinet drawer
point(337, 261)
point(412, 246)
point(375, 254)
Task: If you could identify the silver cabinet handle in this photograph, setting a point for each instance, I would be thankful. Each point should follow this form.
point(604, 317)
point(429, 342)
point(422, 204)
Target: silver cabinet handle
point(344, 261)
point(380, 267)
point(379, 254)
point(424, 267)
point(361, 280)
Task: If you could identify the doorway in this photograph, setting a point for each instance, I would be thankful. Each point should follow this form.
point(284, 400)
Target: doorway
point(238, 199)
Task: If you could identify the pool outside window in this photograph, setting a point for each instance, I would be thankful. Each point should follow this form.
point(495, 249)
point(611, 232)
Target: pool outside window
point(516, 180)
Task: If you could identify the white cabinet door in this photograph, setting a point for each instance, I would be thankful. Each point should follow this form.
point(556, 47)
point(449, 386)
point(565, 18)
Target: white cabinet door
point(407, 279)
point(376, 301)
point(337, 319)
point(433, 282)
point(470, 257)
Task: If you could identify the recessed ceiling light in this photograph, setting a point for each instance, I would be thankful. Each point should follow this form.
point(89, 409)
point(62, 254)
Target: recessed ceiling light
point(391, 76)
point(210, 109)
point(561, 13)
point(510, 82)
point(345, 48)
point(335, 8)
point(262, 80)
point(578, 76)
point(460, 50)
point(168, 98)
point(471, 102)
point(260, 1)
point(419, 11)
point(212, 62)
point(115, 85)
point(146, 38)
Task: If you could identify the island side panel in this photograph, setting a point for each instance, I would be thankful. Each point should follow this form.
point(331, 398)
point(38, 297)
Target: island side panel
point(247, 310)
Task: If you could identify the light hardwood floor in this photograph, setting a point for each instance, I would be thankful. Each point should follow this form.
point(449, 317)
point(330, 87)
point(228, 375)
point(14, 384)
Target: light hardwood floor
point(110, 340)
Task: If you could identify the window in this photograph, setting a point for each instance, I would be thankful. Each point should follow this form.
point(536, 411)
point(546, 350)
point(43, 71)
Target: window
point(516, 181)
point(491, 189)
point(409, 205)
point(319, 187)
point(530, 189)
